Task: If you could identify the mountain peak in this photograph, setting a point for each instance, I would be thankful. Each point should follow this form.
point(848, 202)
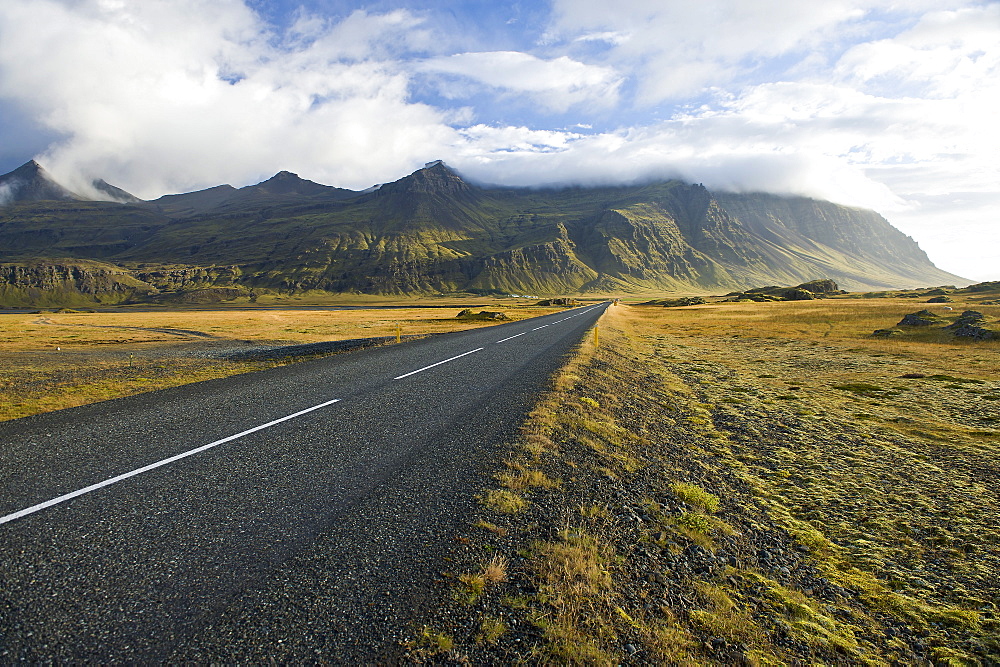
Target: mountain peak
point(30, 182)
point(286, 183)
point(29, 169)
point(439, 167)
point(434, 178)
point(116, 193)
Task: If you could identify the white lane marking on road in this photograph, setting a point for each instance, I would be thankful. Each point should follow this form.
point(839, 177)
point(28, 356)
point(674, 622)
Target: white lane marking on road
point(419, 370)
point(158, 464)
point(504, 340)
point(510, 337)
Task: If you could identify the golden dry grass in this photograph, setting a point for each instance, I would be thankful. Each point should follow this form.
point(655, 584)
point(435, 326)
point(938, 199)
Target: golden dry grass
point(57, 360)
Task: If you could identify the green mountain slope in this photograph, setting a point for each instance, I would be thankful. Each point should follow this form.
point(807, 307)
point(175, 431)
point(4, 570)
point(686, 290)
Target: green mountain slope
point(433, 232)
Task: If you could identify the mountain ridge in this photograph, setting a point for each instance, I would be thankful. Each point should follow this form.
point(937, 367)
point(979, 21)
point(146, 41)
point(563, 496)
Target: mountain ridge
point(431, 231)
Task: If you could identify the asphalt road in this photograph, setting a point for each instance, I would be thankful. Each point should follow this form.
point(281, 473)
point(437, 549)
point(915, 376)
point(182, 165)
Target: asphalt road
point(299, 513)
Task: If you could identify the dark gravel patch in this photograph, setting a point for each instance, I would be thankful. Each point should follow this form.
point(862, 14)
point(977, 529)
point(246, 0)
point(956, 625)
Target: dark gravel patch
point(282, 352)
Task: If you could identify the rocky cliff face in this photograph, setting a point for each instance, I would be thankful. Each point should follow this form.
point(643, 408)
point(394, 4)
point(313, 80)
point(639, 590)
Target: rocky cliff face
point(67, 284)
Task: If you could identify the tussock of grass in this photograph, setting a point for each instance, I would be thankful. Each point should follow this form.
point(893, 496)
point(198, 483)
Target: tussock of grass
point(490, 630)
point(693, 522)
point(576, 565)
point(493, 528)
point(504, 501)
point(472, 586)
point(575, 578)
point(522, 478)
point(430, 642)
point(720, 616)
point(693, 494)
point(495, 571)
point(537, 445)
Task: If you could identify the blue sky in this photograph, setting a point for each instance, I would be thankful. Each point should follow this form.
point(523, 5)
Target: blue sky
point(872, 103)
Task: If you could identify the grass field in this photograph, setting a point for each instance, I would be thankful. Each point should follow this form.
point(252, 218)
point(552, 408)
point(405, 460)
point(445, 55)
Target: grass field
point(54, 360)
point(747, 483)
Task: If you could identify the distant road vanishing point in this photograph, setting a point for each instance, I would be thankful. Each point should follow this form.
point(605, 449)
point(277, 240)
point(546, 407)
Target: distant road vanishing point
point(296, 513)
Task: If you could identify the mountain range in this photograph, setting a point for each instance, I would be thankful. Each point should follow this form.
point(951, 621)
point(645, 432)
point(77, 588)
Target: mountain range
point(434, 232)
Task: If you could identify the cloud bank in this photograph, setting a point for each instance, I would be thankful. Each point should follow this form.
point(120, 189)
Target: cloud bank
point(858, 101)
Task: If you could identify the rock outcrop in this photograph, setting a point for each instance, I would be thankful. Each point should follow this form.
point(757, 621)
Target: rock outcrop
point(676, 303)
point(970, 324)
point(467, 314)
point(921, 318)
point(814, 289)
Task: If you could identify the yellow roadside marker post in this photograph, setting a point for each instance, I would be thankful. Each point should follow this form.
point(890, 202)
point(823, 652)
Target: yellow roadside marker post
point(399, 333)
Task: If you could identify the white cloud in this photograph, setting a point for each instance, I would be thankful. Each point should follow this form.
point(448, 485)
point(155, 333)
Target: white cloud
point(485, 139)
point(866, 102)
point(7, 191)
point(947, 53)
point(154, 101)
point(676, 49)
point(558, 83)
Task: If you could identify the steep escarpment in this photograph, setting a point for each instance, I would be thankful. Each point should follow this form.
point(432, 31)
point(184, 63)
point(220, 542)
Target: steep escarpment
point(858, 246)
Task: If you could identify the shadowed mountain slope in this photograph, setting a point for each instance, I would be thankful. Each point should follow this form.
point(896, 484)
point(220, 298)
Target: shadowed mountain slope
point(30, 182)
point(432, 231)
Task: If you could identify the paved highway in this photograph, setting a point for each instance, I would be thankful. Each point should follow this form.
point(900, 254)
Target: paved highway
point(296, 513)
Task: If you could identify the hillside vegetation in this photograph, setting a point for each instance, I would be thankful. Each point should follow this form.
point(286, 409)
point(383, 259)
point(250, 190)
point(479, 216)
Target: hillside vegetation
point(432, 232)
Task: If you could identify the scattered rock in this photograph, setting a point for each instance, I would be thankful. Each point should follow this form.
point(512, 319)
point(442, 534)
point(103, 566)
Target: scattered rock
point(940, 299)
point(886, 333)
point(467, 314)
point(561, 301)
point(975, 332)
point(921, 318)
point(675, 303)
point(969, 317)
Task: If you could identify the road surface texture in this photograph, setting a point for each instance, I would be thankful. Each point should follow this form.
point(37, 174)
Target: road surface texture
point(299, 513)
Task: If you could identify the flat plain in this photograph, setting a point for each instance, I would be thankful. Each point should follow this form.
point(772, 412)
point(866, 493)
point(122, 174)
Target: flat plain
point(55, 360)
